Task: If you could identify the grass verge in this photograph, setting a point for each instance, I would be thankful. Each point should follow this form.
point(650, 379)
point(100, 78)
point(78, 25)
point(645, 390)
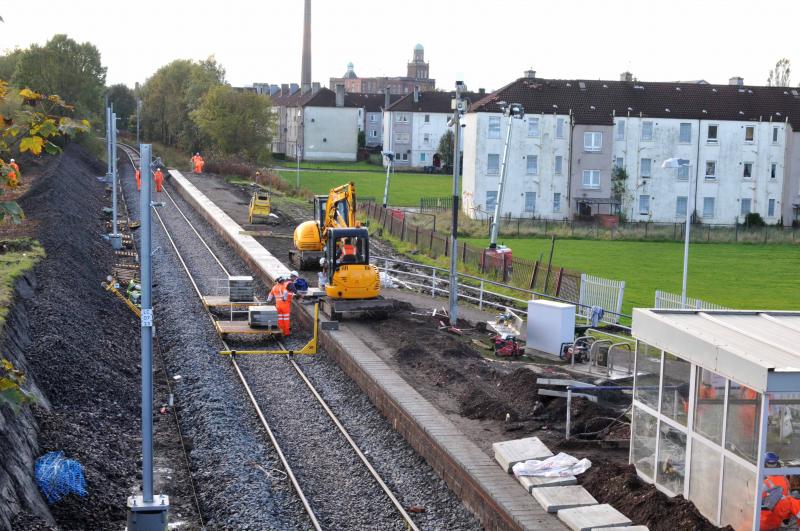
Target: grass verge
point(16, 257)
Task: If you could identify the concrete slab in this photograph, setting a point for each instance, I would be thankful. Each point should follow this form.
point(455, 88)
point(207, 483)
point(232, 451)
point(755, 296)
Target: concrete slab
point(554, 499)
point(532, 482)
point(593, 517)
point(625, 528)
point(509, 453)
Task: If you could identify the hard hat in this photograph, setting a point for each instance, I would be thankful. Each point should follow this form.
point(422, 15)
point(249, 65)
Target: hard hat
point(279, 279)
point(293, 274)
point(12, 160)
point(771, 459)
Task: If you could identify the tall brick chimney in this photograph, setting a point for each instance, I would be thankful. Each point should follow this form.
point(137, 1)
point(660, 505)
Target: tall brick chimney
point(305, 77)
point(387, 98)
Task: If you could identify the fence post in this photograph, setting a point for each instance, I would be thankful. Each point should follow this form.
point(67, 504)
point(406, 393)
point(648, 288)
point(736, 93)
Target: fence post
point(533, 275)
point(416, 235)
point(674, 231)
point(446, 245)
point(558, 281)
point(403, 229)
point(765, 233)
point(646, 224)
point(505, 267)
point(736, 232)
point(480, 297)
point(391, 223)
point(430, 245)
point(463, 252)
point(708, 234)
point(518, 227)
point(433, 283)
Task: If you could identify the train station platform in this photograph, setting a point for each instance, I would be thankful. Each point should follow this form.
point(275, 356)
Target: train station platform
point(492, 494)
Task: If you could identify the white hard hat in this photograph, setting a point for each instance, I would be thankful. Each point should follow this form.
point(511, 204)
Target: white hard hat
point(293, 274)
point(12, 160)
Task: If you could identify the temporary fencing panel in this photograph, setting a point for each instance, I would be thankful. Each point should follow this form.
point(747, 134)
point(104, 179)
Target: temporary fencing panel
point(672, 301)
point(607, 294)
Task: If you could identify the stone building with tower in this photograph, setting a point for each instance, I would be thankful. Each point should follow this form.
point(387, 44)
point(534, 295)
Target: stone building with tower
point(417, 75)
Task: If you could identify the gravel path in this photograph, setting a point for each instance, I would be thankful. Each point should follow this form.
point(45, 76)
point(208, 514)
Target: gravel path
point(340, 489)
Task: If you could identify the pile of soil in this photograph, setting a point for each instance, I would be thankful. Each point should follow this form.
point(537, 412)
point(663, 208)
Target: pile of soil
point(619, 486)
point(84, 350)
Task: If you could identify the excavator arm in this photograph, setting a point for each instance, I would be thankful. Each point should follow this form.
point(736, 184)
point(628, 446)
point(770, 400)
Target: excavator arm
point(340, 210)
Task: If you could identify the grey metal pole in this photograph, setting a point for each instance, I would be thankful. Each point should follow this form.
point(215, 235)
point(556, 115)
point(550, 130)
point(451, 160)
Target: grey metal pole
point(138, 118)
point(503, 170)
point(459, 109)
point(147, 327)
point(108, 142)
point(689, 210)
point(114, 175)
point(386, 186)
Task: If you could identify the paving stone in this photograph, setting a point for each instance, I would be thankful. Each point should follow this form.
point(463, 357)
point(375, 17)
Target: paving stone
point(624, 528)
point(509, 453)
point(533, 482)
point(553, 499)
point(593, 517)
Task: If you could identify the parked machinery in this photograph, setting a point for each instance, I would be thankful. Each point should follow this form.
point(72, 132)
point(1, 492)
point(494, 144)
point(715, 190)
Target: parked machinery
point(259, 206)
point(336, 210)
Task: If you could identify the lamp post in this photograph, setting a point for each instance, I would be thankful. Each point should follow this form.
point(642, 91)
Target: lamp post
point(515, 111)
point(684, 163)
point(297, 145)
point(459, 108)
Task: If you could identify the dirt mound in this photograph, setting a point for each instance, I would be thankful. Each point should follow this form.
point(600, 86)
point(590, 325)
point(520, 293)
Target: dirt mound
point(641, 502)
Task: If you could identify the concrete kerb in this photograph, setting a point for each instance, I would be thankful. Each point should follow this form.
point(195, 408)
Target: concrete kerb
point(493, 513)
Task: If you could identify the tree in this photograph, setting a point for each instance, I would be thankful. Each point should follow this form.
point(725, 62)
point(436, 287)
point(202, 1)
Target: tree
point(64, 67)
point(780, 75)
point(361, 139)
point(237, 123)
point(8, 63)
point(445, 148)
point(124, 103)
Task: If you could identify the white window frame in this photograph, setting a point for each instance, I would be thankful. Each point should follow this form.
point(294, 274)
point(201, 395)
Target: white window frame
point(593, 181)
point(644, 210)
point(373, 133)
point(426, 138)
point(771, 207)
point(649, 173)
point(776, 137)
point(558, 165)
point(678, 200)
point(593, 141)
point(525, 208)
point(752, 136)
point(423, 157)
point(532, 170)
point(744, 170)
point(681, 128)
point(533, 127)
point(714, 140)
point(773, 170)
point(647, 126)
point(493, 127)
point(559, 128)
point(619, 162)
point(402, 118)
point(373, 118)
point(401, 137)
point(489, 170)
point(488, 206)
point(620, 130)
point(711, 176)
point(427, 118)
point(557, 202)
point(745, 201)
point(682, 173)
point(713, 207)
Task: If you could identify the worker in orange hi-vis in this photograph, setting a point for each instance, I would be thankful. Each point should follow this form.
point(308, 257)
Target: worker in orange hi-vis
point(138, 179)
point(158, 177)
point(14, 175)
point(199, 165)
point(283, 304)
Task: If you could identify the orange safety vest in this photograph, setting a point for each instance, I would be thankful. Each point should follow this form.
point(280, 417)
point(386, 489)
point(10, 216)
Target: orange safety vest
point(138, 180)
point(16, 168)
point(159, 179)
point(349, 249)
point(773, 519)
point(776, 481)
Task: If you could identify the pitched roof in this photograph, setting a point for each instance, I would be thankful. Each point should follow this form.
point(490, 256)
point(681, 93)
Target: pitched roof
point(325, 97)
point(597, 101)
point(429, 101)
point(370, 102)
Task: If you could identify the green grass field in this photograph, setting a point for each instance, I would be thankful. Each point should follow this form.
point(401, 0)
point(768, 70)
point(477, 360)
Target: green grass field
point(339, 166)
point(405, 188)
point(734, 275)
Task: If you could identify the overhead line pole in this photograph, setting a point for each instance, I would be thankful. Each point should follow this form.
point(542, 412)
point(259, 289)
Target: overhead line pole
point(459, 107)
point(116, 239)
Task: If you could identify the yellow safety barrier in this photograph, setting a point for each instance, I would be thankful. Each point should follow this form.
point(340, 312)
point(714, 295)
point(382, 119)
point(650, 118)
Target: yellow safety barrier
point(110, 286)
point(308, 350)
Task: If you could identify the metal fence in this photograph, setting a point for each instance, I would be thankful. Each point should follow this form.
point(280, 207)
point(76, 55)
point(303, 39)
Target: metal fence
point(435, 204)
point(672, 301)
point(602, 292)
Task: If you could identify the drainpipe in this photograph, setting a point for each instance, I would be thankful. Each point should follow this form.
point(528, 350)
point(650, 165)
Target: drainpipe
point(569, 160)
point(696, 172)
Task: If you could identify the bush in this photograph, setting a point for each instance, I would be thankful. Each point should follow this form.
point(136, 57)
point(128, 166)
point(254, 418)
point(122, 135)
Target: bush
point(754, 219)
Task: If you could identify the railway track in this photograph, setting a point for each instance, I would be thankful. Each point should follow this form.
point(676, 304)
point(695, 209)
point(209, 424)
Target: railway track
point(317, 500)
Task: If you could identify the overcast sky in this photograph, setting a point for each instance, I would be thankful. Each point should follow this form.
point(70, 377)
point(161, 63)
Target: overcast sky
point(488, 44)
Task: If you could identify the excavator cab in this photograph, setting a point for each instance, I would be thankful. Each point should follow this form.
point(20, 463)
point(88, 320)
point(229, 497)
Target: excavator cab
point(335, 210)
point(347, 269)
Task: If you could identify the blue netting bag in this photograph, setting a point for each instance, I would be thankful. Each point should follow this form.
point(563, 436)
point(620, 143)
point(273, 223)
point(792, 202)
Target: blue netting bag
point(57, 477)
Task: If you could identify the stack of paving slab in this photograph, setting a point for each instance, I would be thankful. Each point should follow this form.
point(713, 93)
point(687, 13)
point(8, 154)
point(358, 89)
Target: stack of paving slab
point(574, 505)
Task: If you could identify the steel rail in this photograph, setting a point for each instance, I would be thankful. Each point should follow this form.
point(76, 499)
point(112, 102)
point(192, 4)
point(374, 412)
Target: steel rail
point(406, 517)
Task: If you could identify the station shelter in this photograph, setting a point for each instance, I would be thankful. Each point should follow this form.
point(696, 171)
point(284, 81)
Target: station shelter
point(714, 390)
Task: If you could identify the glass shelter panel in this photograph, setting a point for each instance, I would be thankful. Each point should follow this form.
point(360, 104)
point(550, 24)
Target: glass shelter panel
point(704, 479)
point(709, 405)
point(738, 493)
point(648, 367)
point(671, 458)
point(644, 441)
point(741, 432)
point(675, 388)
point(784, 415)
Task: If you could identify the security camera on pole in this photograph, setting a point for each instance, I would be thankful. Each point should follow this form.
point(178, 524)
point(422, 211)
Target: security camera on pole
point(459, 106)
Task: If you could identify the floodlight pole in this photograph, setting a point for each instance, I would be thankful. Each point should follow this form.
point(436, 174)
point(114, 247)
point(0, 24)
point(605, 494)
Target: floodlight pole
point(108, 141)
point(513, 111)
point(459, 107)
point(147, 512)
point(116, 239)
point(389, 171)
point(138, 118)
point(674, 162)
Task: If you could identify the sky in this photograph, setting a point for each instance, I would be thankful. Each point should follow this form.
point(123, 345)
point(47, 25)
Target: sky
point(486, 47)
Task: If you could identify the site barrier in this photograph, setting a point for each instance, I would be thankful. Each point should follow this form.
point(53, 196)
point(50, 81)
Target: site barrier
point(672, 301)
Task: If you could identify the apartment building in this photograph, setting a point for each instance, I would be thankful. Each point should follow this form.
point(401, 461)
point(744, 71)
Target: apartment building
point(742, 143)
point(370, 114)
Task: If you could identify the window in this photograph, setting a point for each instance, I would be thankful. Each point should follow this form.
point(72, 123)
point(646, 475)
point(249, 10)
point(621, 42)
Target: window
point(646, 168)
point(401, 138)
point(591, 178)
point(619, 162)
point(493, 164)
point(494, 127)
point(647, 130)
point(644, 204)
point(404, 157)
point(708, 404)
point(773, 170)
point(423, 157)
point(771, 208)
point(593, 142)
point(775, 131)
point(427, 118)
point(711, 169)
point(557, 202)
point(373, 118)
point(530, 202)
point(426, 138)
point(620, 129)
point(685, 136)
point(671, 449)
point(747, 170)
point(749, 133)
point(708, 207)
point(741, 429)
point(533, 164)
point(491, 200)
point(402, 117)
point(373, 133)
point(680, 205)
point(559, 165)
point(533, 127)
point(712, 134)
point(744, 207)
point(560, 128)
point(683, 173)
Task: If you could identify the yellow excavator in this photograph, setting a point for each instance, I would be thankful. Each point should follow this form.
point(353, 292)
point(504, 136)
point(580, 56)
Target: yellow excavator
point(335, 210)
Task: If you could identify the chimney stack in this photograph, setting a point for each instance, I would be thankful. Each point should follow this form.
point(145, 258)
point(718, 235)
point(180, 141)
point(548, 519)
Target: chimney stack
point(293, 88)
point(314, 87)
point(626, 76)
point(305, 77)
point(387, 98)
point(481, 91)
point(340, 94)
point(285, 89)
point(416, 93)
point(736, 81)
point(530, 73)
